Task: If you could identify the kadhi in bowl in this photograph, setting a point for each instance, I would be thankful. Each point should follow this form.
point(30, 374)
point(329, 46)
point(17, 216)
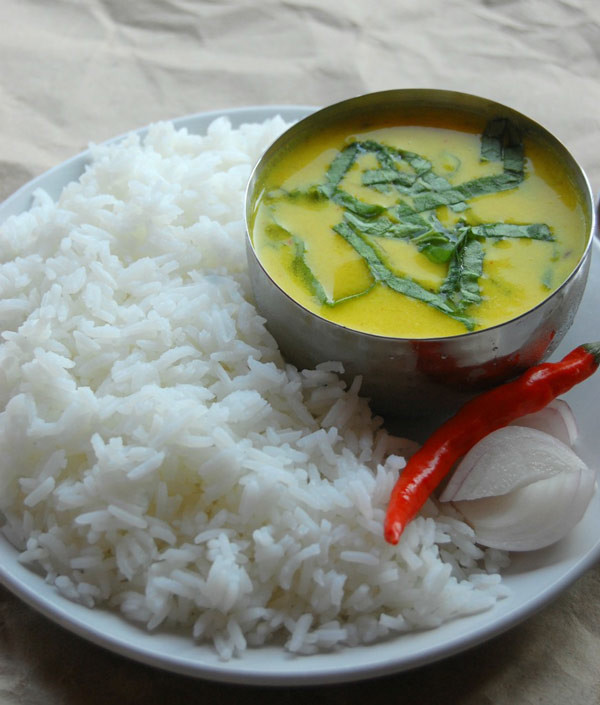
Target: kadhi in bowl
point(435, 243)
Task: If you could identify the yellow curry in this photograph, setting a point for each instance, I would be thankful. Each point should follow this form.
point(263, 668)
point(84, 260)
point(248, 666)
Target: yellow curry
point(418, 230)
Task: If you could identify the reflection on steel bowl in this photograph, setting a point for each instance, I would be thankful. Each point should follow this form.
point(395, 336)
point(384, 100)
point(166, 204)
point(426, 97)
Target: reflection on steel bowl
point(423, 231)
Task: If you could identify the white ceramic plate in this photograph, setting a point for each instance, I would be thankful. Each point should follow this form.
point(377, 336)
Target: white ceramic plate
point(534, 578)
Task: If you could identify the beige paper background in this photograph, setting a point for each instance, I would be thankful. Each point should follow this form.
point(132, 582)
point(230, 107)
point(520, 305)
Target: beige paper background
point(74, 71)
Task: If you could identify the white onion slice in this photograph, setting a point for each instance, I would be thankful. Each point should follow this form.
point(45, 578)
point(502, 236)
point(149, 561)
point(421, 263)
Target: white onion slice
point(503, 461)
point(557, 419)
point(521, 489)
point(533, 516)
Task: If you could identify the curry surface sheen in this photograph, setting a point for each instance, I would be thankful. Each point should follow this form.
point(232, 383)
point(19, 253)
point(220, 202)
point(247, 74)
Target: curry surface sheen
point(517, 272)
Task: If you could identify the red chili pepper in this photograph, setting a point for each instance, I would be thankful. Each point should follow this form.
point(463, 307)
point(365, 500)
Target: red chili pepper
point(530, 392)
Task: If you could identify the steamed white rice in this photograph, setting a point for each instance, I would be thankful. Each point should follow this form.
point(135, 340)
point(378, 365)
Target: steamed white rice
point(157, 455)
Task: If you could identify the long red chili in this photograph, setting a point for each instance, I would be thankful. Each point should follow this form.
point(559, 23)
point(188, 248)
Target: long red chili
point(530, 392)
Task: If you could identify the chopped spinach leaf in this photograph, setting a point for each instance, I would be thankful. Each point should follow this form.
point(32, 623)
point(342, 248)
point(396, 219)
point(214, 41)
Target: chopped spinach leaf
point(402, 285)
point(535, 231)
point(433, 199)
point(355, 205)
point(388, 177)
point(340, 165)
point(435, 182)
point(492, 140)
point(466, 267)
point(547, 278)
point(312, 193)
point(304, 272)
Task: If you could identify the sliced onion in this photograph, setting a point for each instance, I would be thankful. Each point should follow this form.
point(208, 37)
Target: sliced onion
point(521, 489)
point(557, 419)
point(531, 517)
point(503, 461)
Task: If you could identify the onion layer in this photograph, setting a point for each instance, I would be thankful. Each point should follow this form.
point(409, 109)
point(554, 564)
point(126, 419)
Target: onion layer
point(557, 419)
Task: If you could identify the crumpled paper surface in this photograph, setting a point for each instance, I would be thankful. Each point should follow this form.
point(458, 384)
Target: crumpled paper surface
point(75, 72)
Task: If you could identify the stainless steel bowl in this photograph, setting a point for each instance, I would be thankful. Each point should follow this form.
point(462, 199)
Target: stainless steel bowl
point(420, 377)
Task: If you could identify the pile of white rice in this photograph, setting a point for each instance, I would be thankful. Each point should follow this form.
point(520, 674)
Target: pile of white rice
point(156, 453)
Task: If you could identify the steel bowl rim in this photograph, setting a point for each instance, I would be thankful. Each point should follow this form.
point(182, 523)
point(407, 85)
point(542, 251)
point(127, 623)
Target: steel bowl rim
point(424, 92)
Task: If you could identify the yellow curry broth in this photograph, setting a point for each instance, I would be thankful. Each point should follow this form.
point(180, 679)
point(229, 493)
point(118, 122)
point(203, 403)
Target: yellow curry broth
point(518, 273)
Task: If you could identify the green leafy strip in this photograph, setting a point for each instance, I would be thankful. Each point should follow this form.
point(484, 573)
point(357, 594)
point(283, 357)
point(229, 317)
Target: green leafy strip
point(466, 267)
point(402, 285)
point(384, 227)
point(338, 168)
point(492, 140)
point(429, 235)
point(312, 194)
point(535, 231)
point(355, 205)
point(384, 178)
point(305, 273)
point(302, 270)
